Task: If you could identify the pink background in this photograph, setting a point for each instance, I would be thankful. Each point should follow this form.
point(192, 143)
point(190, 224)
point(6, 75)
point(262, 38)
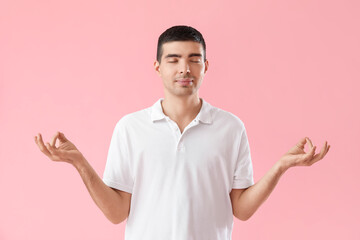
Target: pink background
point(288, 69)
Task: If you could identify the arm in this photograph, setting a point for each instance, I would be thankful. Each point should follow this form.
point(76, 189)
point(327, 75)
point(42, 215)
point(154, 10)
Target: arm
point(115, 204)
point(245, 202)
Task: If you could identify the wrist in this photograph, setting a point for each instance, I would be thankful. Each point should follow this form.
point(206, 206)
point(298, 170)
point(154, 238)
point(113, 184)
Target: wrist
point(80, 163)
point(281, 166)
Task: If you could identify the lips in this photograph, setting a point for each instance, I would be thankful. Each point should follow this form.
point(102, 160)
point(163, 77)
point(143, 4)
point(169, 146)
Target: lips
point(184, 82)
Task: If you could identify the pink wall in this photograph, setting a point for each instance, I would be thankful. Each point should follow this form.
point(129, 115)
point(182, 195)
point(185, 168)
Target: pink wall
point(288, 69)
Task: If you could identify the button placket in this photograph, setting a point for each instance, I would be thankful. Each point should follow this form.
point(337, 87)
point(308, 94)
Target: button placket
point(176, 133)
point(181, 146)
point(189, 126)
point(179, 136)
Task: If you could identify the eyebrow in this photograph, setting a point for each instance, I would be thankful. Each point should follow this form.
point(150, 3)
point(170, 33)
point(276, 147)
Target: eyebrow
point(190, 55)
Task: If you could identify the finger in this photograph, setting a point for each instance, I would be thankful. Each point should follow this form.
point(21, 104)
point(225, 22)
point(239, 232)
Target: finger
point(328, 149)
point(301, 143)
point(308, 157)
point(51, 149)
point(312, 152)
point(57, 154)
point(320, 155)
point(53, 140)
point(62, 137)
point(309, 142)
point(316, 158)
point(323, 150)
point(42, 146)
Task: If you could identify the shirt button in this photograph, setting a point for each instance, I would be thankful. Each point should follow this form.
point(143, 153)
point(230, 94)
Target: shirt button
point(181, 149)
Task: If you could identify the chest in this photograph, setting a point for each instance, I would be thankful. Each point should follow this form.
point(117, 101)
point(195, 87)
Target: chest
point(164, 151)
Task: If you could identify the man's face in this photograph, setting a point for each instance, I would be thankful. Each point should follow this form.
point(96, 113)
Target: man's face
point(182, 67)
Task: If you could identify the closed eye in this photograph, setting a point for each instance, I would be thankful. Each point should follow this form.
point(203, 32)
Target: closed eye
point(197, 61)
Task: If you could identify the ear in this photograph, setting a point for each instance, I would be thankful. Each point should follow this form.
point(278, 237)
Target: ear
point(206, 65)
point(157, 67)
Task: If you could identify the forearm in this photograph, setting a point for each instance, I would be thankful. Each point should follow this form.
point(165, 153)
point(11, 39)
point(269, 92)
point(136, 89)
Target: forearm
point(108, 200)
point(251, 198)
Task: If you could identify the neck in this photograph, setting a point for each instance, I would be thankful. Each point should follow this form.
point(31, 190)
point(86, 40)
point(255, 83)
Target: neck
point(181, 109)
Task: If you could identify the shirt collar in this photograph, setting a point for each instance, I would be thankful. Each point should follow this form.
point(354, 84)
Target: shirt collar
point(203, 116)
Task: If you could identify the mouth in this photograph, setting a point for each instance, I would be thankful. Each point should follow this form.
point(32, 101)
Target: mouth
point(184, 81)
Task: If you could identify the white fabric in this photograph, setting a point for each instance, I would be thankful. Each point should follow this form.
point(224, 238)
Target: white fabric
point(180, 183)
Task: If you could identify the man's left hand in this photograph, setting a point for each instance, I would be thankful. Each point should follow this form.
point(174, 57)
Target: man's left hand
point(296, 156)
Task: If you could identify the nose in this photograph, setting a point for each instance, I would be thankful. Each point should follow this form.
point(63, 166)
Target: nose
point(184, 67)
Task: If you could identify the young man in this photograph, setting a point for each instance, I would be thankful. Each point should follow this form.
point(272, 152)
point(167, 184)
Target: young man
point(181, 168)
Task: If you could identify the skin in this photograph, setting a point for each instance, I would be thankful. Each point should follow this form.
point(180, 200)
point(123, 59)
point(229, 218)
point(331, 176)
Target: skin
point(245, 202)
point(181, 104)
point(115, 204)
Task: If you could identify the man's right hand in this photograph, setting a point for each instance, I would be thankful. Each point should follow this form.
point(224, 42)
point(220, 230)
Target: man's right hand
point(65, 152)
point(114, 203)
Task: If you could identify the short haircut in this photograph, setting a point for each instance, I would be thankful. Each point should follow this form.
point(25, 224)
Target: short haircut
point(179, 33)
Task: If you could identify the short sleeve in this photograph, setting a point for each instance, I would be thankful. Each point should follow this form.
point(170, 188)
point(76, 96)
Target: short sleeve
point(117, 173)
point(243, 174)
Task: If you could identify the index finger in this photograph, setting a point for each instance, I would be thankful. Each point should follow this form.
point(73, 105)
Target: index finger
point(309, 142)
point(53, 140)
point(41, 145)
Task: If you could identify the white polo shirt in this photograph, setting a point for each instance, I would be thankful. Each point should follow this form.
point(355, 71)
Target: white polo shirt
point(180, 183)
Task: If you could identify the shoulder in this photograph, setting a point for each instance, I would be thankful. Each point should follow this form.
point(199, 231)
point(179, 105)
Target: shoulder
point(135, 118)
point(225, 117)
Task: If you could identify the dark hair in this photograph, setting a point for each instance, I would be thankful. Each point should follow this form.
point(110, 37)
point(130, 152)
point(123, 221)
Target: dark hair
point(179, 33)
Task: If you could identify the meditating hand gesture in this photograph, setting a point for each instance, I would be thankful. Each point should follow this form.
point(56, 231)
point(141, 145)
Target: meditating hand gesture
point(65, 152)
point(296, 156)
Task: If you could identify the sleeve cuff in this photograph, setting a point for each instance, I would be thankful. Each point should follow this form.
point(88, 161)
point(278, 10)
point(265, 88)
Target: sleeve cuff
point(242, 184)
point(117, 185)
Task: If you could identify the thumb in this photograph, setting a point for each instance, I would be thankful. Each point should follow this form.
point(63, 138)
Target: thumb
point(308, 156)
